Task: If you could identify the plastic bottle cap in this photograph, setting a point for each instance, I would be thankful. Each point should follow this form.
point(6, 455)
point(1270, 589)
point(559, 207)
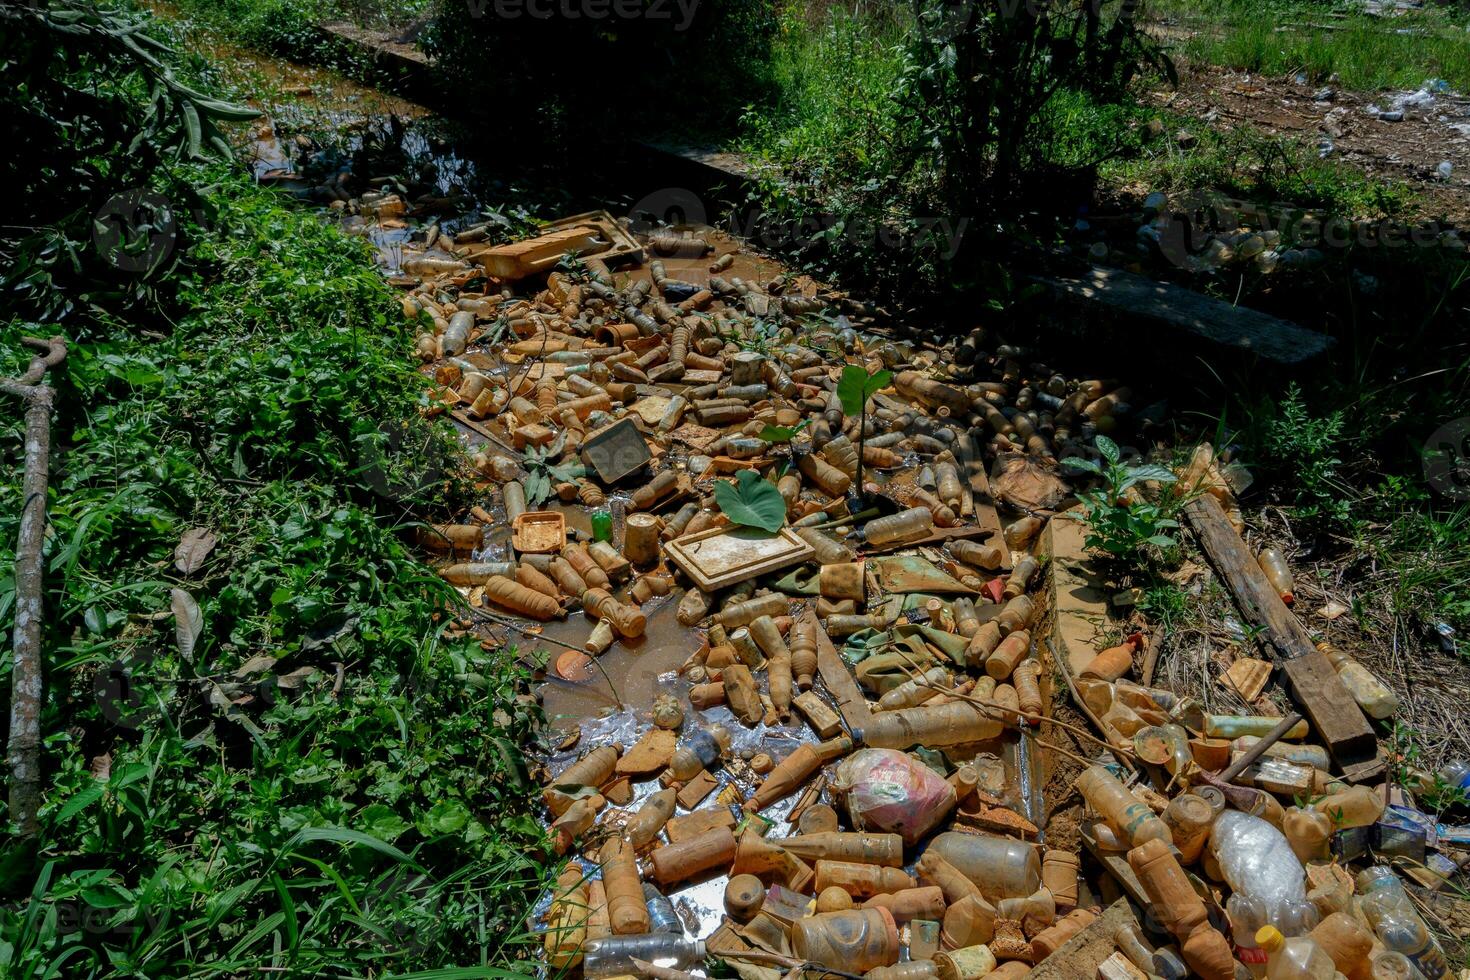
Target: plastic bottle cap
point(1269, 938)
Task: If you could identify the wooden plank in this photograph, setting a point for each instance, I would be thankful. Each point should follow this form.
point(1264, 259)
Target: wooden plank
point(1311, 679)
point(971, 461)
point(1138, 297)
point(839, 680)
point(1079, 957)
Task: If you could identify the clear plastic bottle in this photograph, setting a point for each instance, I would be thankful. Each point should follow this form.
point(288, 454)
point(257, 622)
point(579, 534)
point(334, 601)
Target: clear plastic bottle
point(1294, 959)
point(1390, 965)
point(1110, 798)
point(700, 750)
point(1247, 914)
point(1375, 697)
point(1278, 573)
point(906, 525)
point(613, 956)
point(1360, 806)
point(1457, 775)
point(1391, 913)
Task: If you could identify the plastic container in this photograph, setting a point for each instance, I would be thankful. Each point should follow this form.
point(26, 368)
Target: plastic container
point(626, 908)
point(1247, 914)
point(1389, 910)
point(1293, 959)
point(1456, 774)
point(859, 939)
point(1391, 965)
point(1111, 799)
point(862, 848)
point(701, 749)
point(932, 726)
point(999, 867)
point(614, 955)
point(1278, 573)
point(1309, 831)
point(916, 690)
point(1189, 819)
point(1375, 697)
point(1346, 940)
point(1256, 859)
point(656, 810)
point(1360, 806)
point(982, 556)
point(907, 525)
point(892, 792)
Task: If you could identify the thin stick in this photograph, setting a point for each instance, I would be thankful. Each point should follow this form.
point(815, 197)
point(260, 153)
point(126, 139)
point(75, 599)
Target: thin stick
point(526, 632)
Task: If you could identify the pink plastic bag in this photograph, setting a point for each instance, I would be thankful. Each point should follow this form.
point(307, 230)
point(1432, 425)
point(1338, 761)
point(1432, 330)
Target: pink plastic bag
point(891, 792)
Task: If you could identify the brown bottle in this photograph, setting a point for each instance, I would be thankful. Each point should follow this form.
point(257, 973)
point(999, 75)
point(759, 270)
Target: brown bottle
point(911, 903)
point(862, 880)
point(1044, 943)
point(1189, 819)
point(693, 856)
point(644, 826)
point(1021, 576)
point(626, 908)
point(516, 597)
point(859, 848)
point(983, 643)
point(591, 572)
point(859, 939)
point(1028, 688)
point(594, 769)
point(935, 727)
point(804, 652)
point(968, 922)
point(1011, 651)
point(1059, 871)
point(1017, 614)
point(744, 613)
point(826, 477)
point(741, 694)
point(754, 855)
point(794, 770)
point(1348, 942)
point(566, 923)
point(648, 495)
point(982, 556)
point(627, 620)
point(533, 579)
point(911, 970)
point(933, 869)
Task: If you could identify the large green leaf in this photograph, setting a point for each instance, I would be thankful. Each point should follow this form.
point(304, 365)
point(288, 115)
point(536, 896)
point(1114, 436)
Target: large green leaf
point(856, 386)
point(751, 501)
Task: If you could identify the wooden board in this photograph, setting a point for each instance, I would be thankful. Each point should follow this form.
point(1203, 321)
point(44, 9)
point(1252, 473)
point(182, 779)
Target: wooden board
point(971, 461)
point(722, 556)
point(1079, 957)
point(1140, 298)
point(839, 680)
point(1311, 679)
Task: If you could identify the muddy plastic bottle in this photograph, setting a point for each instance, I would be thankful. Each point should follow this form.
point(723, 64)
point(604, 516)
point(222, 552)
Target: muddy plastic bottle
point(1390, 965)
point(862, 848)
point(916, 690)
point(1278, 573)
point(1375, 697)
point(744, 613)
point(651, 817)
point(829, 551)
point(1360, 806)
point(1308, 830)
point(566, 922)
point(627, 620)
point(907, 525)
point(1391, 913)
point(1189, 818)
point(614, 955)
point(1111, 799)
point(1000, 867)
point(982, 556)
point(1347, 941)
point(1247, 914)
point(859, 939)
point(932, 726)
point(701, 749)
point(626, 908)
point(1293, 959)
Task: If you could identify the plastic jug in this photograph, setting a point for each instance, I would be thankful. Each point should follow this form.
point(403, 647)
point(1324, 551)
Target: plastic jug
point(859, 939)
point(1293, 959)
point(1002, 868)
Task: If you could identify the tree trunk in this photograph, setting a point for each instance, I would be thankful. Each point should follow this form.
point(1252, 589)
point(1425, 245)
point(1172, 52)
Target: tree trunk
point(23, 751)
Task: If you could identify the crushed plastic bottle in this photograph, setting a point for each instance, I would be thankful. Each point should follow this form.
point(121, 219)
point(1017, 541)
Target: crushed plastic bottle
point(1257, 859)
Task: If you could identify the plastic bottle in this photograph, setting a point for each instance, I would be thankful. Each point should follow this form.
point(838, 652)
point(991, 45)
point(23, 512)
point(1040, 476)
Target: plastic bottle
point(594, 769)
point(1391, 913)
point(1347, 941)
point(1308, 830)
point(1247, 914)
point(1359, 806)
point(999, 866)
point(1189, 819)
point(1391, 965)
point(626, 907)
point(627, 620)
point(1111, 799)
point(859, 939)
point(794, 770)
point(566, 922)
point(932, 726)
point(1257, 859)
point(916, 690)
point(1278, 573)
point(906, 525)
point(693, 856)
point(701, 749)
point(614, 955)
point(982, 556)
point(828, 550)
point(1293, 959)
point(1456, 775)
point(661, 914)
point(863, 848)
point(644, 825)
point(1375, 697)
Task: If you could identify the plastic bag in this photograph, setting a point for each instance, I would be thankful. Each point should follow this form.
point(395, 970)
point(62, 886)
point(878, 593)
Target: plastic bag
point(1256, 859)
point(891, 792)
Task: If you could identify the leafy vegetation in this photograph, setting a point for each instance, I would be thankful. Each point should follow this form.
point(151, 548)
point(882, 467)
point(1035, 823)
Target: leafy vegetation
point(751, 501)
point(1122, 521)
point(317, 780)
point(854, 389)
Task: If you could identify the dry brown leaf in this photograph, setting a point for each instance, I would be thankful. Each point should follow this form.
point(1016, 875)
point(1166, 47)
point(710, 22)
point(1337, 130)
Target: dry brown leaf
point(193, 548)
point(1027, 483)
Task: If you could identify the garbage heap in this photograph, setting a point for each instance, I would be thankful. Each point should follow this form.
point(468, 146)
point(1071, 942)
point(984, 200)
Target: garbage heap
point(854, 745)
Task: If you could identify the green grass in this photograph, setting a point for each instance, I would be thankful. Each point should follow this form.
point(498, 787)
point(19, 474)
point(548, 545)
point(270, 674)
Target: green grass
point(381, 827)
point(1281, 37)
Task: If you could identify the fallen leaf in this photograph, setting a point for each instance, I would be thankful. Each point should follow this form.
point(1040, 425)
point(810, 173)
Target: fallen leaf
point(294, 679)
point(1332, 610)
point(193, 548)
point(255, 665)
point(188, 622)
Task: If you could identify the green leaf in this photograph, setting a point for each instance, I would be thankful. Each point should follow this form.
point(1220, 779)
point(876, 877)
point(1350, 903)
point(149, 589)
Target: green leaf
point(446, 817)
point(1108, 448)
point(382, 822)
point(851, 389)
point(751, 501)
point(781, 433)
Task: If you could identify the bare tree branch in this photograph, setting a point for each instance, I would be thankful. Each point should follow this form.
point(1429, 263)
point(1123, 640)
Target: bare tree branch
point(23, 751)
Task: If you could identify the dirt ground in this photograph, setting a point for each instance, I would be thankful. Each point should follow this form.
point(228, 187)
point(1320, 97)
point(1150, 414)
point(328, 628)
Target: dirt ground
point(1411, 149)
